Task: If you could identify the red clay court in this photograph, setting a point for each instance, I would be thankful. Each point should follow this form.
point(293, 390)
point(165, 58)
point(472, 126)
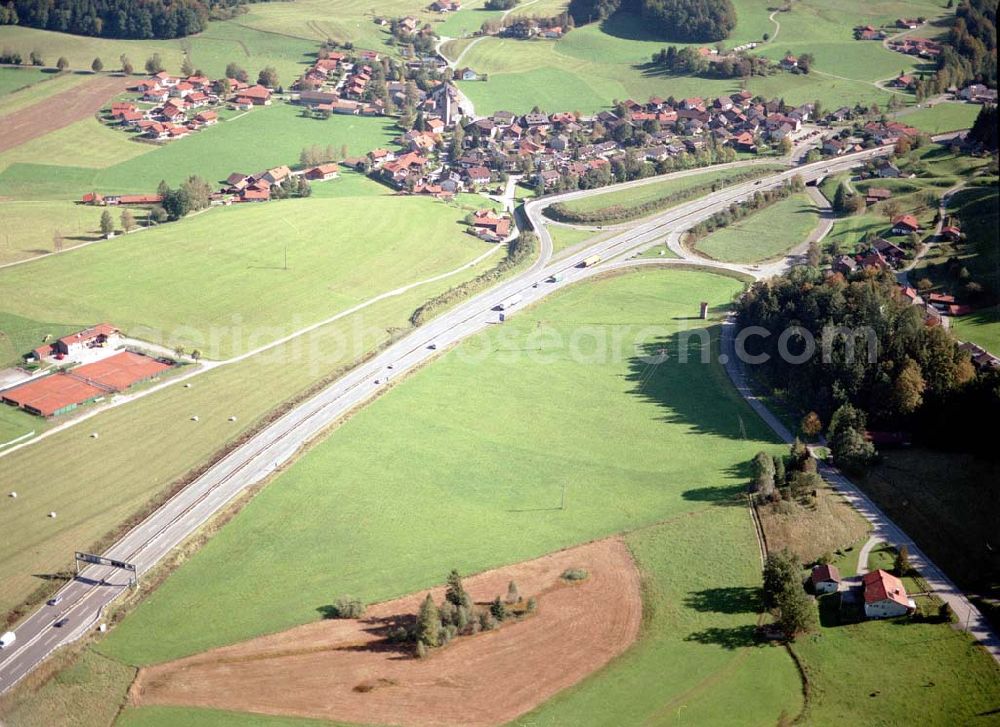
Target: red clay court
point(59, 393)
point(120, 371)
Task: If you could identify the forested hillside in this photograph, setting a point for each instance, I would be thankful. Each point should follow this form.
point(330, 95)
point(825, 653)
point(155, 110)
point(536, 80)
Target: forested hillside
point(693, 21)
point(118, 18)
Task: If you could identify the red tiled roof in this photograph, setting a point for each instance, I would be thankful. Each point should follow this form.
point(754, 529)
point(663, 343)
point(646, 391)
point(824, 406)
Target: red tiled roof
point(49, 394)
point(882, 586)
point(120, 371)
point(907, 220)
point(825, 573)
point(89, 334)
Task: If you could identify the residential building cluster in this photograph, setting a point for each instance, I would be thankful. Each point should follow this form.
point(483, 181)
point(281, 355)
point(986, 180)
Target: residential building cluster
point(168, 107)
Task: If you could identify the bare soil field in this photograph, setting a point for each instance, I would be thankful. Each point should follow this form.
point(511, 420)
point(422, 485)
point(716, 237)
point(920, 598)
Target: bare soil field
point(60, 110)
point(344, 670)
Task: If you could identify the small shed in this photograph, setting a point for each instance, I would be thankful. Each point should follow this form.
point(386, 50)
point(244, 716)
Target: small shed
point(825, 579)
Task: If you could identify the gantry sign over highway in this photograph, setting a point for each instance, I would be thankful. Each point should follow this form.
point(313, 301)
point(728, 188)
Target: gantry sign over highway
point(101, 560)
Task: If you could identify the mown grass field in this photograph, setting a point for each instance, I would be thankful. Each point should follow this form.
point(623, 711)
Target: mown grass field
point(763, 235)
point(437, 459)
point(15, 424)
point(29, 228)
point(942, 117)
point(635, 196)
point(19, 79)
point(88, 156)
point(151, 443)
point(186, 283)
point(564, 238)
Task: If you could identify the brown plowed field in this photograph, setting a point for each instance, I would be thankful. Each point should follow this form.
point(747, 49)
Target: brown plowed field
point(342, 670)
point(60, 110)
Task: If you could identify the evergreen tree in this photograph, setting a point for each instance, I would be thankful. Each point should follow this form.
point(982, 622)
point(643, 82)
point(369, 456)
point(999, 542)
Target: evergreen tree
point(97, 65)
point(455, 591)
point(428, 623)
point(62, 64)
point(107, 224)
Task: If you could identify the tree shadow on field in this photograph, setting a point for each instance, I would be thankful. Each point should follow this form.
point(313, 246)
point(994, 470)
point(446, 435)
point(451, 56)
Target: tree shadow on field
point(729, 599)
point(738, 637)
point(730, 496)
point(381, 628)
point(679, 373)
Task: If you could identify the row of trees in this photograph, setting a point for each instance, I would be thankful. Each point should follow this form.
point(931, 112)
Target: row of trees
point(783, 594)
point(738, 210)
point(686, 21)
point(686, 60)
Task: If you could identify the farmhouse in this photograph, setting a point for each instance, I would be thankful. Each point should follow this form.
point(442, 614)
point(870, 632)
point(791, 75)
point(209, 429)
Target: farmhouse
point(257, 95)
point(874, 195)
point(825, 579)
point(103, 334)
point(322, 172)
point(885, 596)
point(489, 226)
point(904, 225)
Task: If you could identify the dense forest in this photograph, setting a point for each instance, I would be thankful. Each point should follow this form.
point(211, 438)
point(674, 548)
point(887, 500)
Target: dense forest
point(686, 21)
point(918, 379)
point(119, 18)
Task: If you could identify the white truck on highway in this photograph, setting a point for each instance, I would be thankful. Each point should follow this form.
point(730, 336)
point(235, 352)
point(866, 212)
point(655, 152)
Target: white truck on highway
point(508, 303)
point(7, 639)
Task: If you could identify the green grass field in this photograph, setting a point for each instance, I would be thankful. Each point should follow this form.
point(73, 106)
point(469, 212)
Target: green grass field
point(50, 168)
point(598, 62)
point(653, 191)
point(15, 424)
point(29, 227)
point(151, 443)
point(197, 284)
point(694, 654)
point(426, 433)
point(20, 79)
point(49, 85)
point(942, 117)
point(222, 43)
point(566, 237)
point(763, 235)
point(87, 145)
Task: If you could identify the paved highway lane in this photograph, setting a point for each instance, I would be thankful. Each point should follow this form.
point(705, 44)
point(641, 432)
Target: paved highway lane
point(85, 597)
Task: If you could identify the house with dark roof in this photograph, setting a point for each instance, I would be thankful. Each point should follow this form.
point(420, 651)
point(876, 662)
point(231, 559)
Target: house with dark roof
point(825, 579)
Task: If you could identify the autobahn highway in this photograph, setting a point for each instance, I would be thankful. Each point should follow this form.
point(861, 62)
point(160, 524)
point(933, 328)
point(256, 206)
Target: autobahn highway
point(84, 598)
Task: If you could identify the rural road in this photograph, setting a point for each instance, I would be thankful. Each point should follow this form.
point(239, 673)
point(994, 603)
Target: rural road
point(883, 528)
point(85, 597)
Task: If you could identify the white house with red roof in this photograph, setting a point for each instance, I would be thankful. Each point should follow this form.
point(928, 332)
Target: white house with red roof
point(885, 596)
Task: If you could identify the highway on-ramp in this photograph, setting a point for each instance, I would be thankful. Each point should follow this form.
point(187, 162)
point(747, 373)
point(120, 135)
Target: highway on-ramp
point(83, 600)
